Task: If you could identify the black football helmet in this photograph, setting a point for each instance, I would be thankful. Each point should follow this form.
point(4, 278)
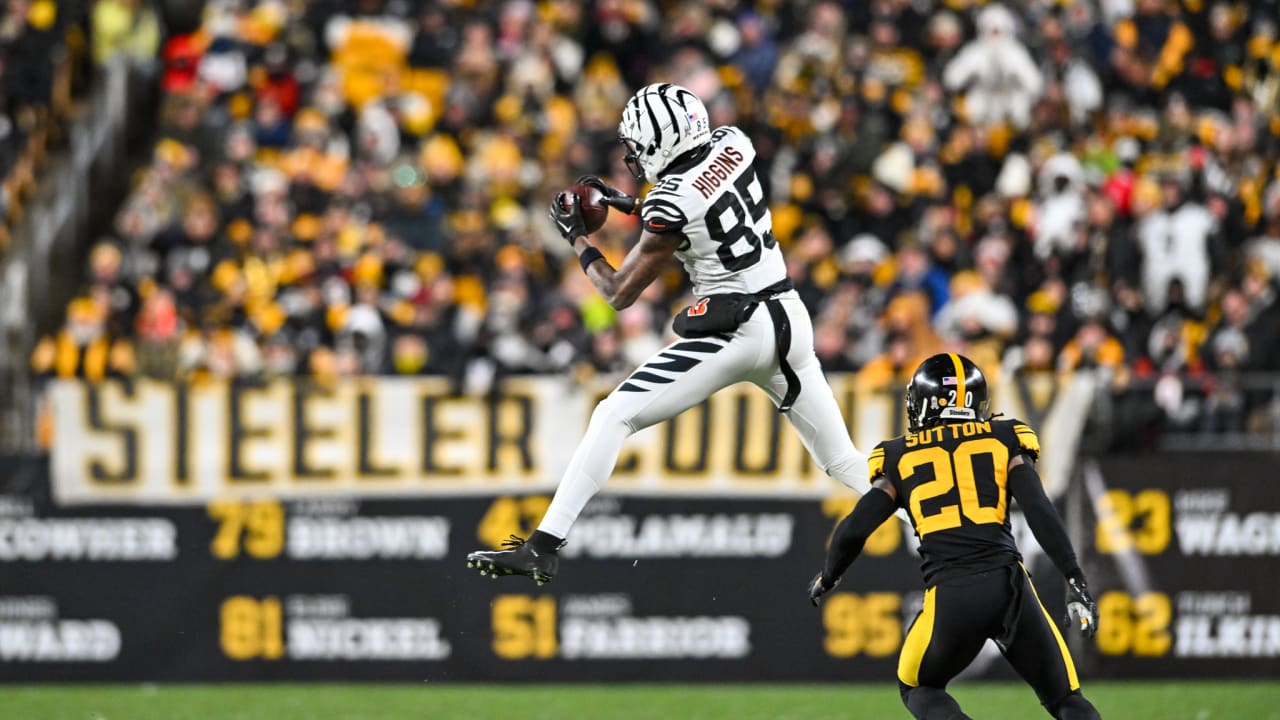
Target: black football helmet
point(945, 388)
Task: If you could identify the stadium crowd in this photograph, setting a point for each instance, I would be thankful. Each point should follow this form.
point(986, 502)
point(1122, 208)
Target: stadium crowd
point(341, 188)
point(41, 46)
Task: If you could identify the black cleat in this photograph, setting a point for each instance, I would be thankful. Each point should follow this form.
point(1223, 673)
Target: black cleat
point(519, 559)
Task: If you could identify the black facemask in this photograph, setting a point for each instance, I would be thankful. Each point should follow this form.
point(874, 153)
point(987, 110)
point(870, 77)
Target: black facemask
point(632, 158)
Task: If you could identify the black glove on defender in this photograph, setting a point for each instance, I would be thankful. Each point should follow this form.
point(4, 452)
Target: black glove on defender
point(1080, 605)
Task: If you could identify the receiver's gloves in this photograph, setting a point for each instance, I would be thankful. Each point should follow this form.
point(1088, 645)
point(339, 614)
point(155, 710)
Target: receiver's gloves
point(568, 220)
point(613, 197)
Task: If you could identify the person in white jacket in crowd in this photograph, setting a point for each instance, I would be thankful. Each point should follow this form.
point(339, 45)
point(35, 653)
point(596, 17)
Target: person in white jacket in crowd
point(1061, 211)
point(1000, 80)
point(1176, 243)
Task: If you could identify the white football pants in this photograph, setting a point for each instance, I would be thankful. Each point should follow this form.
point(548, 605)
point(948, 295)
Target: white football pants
point(687, 372)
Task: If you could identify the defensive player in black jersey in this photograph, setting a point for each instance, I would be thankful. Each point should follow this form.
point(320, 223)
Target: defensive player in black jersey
point(954, 472)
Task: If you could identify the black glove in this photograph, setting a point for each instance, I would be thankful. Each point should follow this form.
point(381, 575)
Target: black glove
point(1080, 606)
point(613, 197)
point(568, 221)
point(819, 587)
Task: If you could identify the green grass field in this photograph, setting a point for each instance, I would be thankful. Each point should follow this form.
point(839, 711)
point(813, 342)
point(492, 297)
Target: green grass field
point(984, 701)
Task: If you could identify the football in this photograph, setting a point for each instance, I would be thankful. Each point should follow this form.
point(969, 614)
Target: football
point(594, 211)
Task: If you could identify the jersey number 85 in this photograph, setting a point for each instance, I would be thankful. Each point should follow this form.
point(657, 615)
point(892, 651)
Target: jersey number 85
point(732, 219)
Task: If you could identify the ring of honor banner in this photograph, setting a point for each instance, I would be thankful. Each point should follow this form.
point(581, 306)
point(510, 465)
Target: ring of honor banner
point(290, 532)
point(378, 589)
point(1184, 556)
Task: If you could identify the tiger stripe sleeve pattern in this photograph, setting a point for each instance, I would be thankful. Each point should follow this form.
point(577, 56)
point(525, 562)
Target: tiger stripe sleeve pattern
point(661, 213)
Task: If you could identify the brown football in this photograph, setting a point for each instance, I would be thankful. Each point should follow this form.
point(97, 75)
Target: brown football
point(594, 211)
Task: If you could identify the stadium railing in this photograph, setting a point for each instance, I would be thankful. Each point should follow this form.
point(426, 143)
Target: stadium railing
point(36, 283)
point(1187, 413)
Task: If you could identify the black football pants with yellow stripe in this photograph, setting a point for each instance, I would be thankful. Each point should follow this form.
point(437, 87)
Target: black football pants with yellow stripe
point(959, 616)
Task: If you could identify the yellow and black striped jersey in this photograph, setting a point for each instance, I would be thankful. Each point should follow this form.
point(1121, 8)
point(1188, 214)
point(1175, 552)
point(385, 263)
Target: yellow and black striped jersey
point(951, 479)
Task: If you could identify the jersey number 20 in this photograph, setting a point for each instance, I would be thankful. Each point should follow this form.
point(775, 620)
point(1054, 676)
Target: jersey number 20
point(948, 474)
point(745, 202)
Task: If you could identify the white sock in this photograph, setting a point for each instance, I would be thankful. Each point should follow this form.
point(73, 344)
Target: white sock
point(590, 467)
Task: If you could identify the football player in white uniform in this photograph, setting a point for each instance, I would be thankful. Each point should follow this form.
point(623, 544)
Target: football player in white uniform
point(708, 209)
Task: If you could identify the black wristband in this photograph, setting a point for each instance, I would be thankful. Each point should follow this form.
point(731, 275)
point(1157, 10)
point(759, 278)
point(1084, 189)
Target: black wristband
point(588, 256)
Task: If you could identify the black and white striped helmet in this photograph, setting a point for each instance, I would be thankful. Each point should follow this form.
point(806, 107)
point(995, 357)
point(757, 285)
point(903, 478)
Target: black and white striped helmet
point(660, 123)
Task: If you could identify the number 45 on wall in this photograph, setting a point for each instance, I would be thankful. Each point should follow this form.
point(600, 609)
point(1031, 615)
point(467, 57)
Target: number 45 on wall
point(511, 516)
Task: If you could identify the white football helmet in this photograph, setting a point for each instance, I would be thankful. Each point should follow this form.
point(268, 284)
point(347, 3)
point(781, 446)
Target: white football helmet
point(660, 123)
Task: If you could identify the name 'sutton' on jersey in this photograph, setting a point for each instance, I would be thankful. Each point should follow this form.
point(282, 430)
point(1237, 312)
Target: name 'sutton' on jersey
point(952, 478)
point(717, 202)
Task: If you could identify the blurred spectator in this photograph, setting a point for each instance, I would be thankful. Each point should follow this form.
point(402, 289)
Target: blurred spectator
point(86, 348)
point(1178, 246)
point(1266, 246)
point(757, 54)
point(996, 71)
point(39, 69)
point(1092, 347)
point(974, 313)
point(1060, 216)
point(1263, 325)
point(125, 27)
point(344, 188)
point(916, 272)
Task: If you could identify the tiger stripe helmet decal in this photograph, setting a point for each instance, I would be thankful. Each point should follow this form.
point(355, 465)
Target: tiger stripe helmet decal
point(661, 122)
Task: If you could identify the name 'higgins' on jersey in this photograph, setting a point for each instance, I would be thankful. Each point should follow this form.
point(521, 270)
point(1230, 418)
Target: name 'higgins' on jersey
point(952, 479)
point(716, 201)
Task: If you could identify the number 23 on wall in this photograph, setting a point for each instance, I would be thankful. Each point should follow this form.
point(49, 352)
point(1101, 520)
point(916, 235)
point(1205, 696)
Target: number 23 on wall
point(1132, 521)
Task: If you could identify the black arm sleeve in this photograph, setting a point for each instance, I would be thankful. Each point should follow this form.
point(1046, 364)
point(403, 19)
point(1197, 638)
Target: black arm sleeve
point(851, 534)
point(1026, 488)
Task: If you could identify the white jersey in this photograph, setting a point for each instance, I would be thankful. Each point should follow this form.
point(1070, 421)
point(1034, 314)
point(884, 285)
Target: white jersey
point(719, 206)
